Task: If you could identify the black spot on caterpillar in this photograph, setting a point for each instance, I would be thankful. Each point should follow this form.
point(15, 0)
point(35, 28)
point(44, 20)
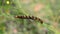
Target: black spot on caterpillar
point(29, 17)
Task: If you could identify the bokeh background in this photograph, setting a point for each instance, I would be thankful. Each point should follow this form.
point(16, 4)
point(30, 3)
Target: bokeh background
point(47, 10)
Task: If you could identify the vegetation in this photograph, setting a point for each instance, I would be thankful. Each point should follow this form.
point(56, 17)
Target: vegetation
point(47, 10)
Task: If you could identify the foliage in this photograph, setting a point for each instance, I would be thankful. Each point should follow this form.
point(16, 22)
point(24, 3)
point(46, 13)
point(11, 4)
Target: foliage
point(47, 10)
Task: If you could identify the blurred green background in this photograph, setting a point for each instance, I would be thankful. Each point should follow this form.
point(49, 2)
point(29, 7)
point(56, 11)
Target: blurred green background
point(47, 10)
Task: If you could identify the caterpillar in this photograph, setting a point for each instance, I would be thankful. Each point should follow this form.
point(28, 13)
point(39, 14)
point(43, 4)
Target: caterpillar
point(29, 17)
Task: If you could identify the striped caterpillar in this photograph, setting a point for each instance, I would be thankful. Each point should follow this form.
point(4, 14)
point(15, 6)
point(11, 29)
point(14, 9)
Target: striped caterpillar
point(29, 17)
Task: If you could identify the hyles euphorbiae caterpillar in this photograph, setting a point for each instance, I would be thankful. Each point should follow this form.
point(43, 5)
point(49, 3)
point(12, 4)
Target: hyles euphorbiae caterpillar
point(29, 17)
